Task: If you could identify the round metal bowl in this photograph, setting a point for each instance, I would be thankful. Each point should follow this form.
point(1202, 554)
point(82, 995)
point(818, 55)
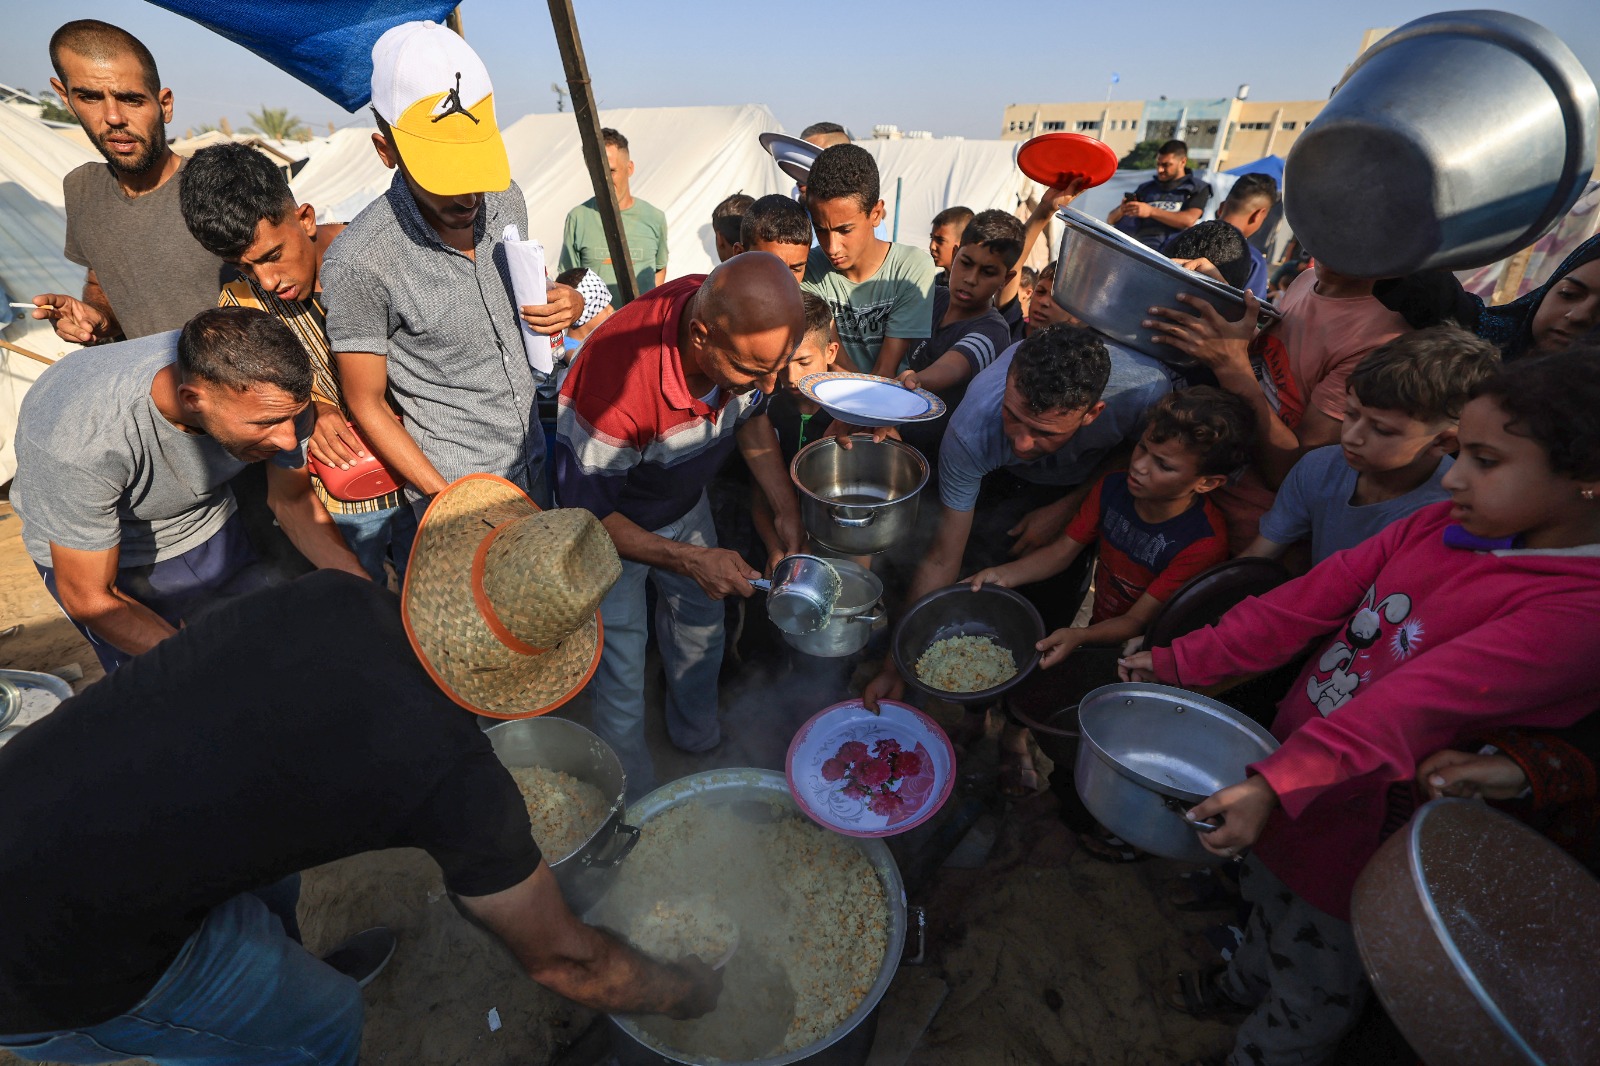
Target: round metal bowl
point(763, 790)
point(1150, 752)
point(584, 874)
point(1110, 281)
point(860, 500)
point(957, 611)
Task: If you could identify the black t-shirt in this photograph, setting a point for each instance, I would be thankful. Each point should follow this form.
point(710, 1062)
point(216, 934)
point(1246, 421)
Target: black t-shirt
point(1180, 195)
point(287, 729)
point(795, 430)
point(1015, 320)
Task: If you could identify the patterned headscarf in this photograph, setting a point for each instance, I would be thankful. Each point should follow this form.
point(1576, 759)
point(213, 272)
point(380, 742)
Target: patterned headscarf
point(1511, 325)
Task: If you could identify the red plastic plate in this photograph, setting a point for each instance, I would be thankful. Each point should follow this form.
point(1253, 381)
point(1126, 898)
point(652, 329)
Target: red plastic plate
point(1056, 158)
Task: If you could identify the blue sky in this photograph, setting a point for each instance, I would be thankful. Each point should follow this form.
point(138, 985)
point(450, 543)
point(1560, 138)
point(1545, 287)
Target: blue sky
point(920, 64)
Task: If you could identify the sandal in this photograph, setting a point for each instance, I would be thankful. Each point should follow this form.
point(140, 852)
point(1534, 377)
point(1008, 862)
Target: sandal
point(1195, 993)
point(1106, 846)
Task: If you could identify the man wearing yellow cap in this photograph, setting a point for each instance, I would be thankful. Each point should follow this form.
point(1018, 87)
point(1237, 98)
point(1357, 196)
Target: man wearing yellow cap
point(419, 303)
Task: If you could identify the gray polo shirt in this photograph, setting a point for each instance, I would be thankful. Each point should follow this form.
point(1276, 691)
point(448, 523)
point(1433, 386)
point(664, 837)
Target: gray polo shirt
point(447, 325)
point(99, 466)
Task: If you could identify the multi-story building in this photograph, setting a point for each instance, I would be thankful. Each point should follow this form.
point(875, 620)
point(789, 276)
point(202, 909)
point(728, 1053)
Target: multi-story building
point(1216, 130)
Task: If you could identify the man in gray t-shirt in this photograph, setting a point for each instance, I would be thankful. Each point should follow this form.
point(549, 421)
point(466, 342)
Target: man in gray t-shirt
point(146, 274)
point(1036, 411)
point(124, 454)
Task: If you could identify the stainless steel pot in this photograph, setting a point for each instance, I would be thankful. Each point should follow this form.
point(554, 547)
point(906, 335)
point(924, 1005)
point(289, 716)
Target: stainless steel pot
point(557, 744)
point(1453, 142)
point(1148, 753)
point(771, 788)
point(854, 613)
point(801, 594)
point(860, 500)
point(1110, 281)
point(1479, 936)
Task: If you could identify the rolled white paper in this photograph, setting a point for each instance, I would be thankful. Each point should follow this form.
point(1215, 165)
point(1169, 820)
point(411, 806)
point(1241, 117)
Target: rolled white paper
point(526, 261)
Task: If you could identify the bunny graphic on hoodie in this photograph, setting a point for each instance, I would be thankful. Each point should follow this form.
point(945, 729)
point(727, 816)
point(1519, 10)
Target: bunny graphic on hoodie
point(1421, 638)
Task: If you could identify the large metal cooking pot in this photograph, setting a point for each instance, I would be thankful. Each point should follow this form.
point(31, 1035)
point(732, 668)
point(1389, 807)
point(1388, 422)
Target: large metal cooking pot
point(855, 612)
point(801, 594)
point(557, 744)
point(860, 500)
point(851, 1041)
point(1002, 614)
point(1149, 752)
point(1110, 281)
point(1453, 142)
point(1479, 936)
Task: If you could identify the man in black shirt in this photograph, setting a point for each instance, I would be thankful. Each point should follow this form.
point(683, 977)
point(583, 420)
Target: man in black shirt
point(1170, 202)
point(285, 730)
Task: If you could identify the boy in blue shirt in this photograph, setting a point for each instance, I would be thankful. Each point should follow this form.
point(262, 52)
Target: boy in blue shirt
point(1401, 408)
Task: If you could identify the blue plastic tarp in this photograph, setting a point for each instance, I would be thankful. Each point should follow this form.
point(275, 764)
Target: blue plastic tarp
point(1270, 165)
point(325, 43)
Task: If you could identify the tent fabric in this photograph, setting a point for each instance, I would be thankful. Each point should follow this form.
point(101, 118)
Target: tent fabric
point(325, 43)
point(1270, 165)
point(931, 175)
point(33, 230)
point(688, 159)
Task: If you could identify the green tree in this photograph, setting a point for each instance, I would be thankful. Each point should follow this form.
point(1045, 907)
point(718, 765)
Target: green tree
point(1141, 157)
point(277, 124)
point(54, 110)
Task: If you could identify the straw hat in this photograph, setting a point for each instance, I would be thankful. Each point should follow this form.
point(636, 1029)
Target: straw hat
point(501, 599)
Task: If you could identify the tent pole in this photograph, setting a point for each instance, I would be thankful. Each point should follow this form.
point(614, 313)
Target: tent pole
point(452, 21)
point(594, 151)
point(894, 234)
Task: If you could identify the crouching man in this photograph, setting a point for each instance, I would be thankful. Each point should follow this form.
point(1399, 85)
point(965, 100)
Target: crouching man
point(124, 453)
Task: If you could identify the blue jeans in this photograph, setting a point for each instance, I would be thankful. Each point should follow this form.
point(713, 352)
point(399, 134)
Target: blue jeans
point(689, 631)
point(181, 588)
point(241, 992)
point(377, 535)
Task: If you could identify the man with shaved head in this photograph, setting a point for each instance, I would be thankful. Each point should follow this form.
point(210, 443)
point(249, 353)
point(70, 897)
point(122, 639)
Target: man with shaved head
point(652, 409)
point(146, 273)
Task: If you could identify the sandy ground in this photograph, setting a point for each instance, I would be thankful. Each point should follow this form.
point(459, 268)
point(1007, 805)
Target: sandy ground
point(1039, 955)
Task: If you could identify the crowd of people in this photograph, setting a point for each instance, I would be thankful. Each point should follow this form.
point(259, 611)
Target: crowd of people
point(1426, 468)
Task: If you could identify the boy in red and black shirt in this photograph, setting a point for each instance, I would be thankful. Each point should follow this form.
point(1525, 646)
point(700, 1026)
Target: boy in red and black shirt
point(1153, 524)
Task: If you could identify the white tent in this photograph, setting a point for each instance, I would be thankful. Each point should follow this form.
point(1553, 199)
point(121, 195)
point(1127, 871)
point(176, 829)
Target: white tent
point(33, 229)
point(687, 159)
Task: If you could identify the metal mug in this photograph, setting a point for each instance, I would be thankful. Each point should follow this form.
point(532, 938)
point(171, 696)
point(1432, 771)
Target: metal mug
point(801, 593)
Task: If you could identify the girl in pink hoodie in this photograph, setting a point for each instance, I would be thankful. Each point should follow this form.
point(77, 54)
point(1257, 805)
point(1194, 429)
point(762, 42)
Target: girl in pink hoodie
point(1469, 615)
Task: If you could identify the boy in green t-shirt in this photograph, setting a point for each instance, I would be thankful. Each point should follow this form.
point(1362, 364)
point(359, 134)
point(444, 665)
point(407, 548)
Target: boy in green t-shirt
point(881, 293)
point(644, 227)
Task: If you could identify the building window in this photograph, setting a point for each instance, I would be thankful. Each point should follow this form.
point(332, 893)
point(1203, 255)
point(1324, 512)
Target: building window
point(1290, 125)
point(1255, 125)
point(1054, 125)
point(1085, 125)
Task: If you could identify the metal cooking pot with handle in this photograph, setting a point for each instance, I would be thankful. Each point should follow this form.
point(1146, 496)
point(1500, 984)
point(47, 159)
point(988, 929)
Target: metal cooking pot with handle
point(849, 627)
point(557, 744)
point(1148, 753)
point(860, 500)
point(801, 594)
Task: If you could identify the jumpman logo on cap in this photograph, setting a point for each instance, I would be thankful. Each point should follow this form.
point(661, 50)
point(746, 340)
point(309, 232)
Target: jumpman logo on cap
point(454, 105)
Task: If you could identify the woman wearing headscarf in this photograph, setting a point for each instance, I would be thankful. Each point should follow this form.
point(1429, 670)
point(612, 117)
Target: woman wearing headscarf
point(1560, 313)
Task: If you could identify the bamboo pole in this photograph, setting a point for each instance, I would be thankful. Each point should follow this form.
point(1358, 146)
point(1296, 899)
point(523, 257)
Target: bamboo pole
point(594, 150)
point(35, 356)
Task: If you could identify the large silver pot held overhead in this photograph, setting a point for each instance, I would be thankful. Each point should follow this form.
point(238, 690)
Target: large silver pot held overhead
point(860, 500)
point(1455, 141)
point(1110, 281)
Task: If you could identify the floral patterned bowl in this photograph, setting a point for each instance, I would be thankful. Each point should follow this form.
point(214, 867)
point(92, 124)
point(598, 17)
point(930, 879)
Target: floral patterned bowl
point(870, 775)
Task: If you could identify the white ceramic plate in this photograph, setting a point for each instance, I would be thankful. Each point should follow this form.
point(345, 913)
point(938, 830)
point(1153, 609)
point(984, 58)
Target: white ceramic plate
point(868, 400)
point(870, 775)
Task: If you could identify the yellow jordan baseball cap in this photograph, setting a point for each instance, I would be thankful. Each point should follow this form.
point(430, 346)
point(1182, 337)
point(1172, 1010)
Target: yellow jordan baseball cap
point(434, 92)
